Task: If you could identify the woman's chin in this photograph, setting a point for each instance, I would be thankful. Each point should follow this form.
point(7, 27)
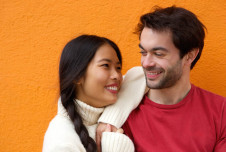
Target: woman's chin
point(111, 102)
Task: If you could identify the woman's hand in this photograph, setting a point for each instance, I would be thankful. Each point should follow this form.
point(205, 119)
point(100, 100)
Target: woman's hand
point(103, 127)
point(110, 128)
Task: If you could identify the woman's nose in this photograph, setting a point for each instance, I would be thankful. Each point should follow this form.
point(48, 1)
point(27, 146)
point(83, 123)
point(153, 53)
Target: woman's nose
point(116, 75)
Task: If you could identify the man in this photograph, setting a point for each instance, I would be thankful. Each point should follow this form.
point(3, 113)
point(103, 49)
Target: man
point(174, 115)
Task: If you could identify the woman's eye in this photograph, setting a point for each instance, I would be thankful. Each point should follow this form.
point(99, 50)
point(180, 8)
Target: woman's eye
point(105, 65)
point(119, 68)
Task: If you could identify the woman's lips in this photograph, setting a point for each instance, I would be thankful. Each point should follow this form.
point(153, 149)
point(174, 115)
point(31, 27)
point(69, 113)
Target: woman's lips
point(113, 88)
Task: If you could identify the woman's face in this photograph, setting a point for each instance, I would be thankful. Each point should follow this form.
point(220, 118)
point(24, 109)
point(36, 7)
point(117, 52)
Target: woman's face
point(100, 85)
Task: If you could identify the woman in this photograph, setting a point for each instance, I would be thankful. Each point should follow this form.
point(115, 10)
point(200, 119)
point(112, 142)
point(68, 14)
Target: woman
point(90, 78)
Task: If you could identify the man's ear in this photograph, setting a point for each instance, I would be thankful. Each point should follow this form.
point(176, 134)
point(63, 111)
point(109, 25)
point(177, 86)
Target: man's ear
point(190, 56)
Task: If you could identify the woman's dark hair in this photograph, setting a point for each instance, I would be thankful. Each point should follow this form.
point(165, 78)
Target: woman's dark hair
point(75, 58)
point(188, 32)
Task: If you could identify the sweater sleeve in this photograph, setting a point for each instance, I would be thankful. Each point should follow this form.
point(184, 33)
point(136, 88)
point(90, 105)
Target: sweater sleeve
point(63, 147)
point(116, 142)
point(129, 97)
point(60, 136)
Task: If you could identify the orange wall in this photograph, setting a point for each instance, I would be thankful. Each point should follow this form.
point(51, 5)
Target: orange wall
point(33, 33)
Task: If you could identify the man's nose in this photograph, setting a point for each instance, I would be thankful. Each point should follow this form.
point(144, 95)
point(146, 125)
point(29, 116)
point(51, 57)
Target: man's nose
point(147, 61)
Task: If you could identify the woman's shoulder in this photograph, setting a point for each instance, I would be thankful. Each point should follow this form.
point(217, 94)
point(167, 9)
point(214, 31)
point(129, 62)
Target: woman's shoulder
point(61, 134)
point(60, 122)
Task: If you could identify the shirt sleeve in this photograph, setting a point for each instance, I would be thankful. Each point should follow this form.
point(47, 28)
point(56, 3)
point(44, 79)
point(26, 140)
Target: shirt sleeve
point(116, 142)
point(221, 143)
point(131, 93)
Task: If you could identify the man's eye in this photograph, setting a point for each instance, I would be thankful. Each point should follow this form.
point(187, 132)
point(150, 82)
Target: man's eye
point(143, 53)
point(158, 54)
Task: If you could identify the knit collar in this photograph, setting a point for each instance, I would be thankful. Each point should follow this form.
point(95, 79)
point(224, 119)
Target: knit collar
point(89, 114)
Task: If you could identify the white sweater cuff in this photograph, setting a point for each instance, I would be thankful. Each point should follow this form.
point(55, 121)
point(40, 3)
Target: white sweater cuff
point(116, 142)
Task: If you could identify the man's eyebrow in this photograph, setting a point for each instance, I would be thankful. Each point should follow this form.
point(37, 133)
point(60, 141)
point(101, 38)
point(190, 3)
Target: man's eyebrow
point(140, 46)
point(153, 49)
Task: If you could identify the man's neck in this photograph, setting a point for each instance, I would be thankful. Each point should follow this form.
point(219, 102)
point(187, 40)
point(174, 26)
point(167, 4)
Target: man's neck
point(171, 95)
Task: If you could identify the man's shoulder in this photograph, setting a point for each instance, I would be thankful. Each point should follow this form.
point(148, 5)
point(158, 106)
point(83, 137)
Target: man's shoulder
point(206, 92)
point(206, 95)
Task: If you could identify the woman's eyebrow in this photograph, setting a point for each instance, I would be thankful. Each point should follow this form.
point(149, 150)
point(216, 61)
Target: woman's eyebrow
point(107, 60)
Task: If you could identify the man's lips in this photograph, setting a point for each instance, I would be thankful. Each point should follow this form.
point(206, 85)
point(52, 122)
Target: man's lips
point(153, 74)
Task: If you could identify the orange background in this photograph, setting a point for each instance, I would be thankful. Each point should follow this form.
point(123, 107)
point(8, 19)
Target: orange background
point(33, 34)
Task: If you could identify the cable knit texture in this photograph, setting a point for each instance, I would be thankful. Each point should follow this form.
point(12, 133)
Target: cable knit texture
point(131, 93)
point(61, 136)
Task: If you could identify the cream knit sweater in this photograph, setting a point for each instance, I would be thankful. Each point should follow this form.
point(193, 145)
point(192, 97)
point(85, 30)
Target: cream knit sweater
point(61, 136)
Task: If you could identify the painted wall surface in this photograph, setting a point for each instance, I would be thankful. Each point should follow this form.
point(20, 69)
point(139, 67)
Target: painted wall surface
point(33, 34)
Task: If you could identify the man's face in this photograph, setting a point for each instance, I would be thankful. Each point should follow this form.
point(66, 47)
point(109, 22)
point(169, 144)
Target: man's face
point(160, 59)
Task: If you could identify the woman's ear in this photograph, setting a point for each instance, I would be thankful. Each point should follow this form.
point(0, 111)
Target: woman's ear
point(190, 56)
point(78, 82)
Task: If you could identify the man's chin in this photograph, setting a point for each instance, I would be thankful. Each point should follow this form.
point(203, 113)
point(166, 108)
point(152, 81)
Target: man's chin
point(154, 85)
